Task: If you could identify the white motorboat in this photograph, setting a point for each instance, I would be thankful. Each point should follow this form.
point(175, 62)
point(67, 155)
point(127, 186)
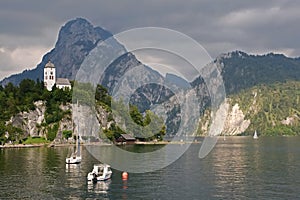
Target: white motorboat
point(101, 172)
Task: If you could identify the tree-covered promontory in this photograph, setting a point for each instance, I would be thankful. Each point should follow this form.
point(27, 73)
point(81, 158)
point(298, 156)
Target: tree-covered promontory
point(22, 98)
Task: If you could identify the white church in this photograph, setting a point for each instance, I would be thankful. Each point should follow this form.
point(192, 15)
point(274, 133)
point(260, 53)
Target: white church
point(50, 78)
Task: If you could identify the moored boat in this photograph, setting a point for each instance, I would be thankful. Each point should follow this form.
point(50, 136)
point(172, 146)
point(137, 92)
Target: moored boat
point(75, 157)
point(101, 172)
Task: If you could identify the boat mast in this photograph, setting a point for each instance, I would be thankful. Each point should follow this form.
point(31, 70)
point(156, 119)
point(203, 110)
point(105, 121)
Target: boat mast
point(78, 136)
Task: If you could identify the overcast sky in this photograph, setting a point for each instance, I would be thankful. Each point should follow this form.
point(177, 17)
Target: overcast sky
point(29, 28)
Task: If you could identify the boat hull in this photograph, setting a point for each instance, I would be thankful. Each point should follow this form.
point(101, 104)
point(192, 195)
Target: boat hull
point(73, 160)
point(101, 172)
point(91, 177)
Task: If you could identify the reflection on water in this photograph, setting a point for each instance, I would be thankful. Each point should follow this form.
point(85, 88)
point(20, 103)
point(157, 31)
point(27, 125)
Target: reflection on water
point(100, 187)
point(125, 186)
point(73, 168)
point(229, 169)
point(73, 176)
point(124, 192)
point(264, 169)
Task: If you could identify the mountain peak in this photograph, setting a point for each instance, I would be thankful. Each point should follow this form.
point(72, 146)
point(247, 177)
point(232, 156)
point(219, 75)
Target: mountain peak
point(79, 20)
point(75, 40)
point(81, 29)
point(77, 26)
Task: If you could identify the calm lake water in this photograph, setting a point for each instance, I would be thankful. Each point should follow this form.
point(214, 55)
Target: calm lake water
point(237, 168)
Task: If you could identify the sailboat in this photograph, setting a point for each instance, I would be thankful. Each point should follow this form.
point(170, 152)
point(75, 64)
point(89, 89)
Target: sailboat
point(75, 157)
point(255, 135)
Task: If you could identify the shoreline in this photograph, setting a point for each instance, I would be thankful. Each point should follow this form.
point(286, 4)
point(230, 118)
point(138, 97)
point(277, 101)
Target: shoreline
point(49, 145)
point(168, 142)
point(22, 145)
point(197, 140)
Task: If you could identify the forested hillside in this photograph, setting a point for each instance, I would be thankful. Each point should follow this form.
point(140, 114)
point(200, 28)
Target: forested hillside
point(22, 98)
point(272, 109)
point(17, 100)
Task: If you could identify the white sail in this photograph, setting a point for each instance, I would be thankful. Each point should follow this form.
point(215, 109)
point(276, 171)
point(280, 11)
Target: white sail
point(255, 135)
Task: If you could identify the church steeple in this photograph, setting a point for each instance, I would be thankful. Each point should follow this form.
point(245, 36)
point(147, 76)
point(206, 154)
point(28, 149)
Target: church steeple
point(49, 64)
point(49, 75)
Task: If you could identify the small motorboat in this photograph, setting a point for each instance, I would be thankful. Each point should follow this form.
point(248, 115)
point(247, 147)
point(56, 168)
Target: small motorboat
point(101, 172)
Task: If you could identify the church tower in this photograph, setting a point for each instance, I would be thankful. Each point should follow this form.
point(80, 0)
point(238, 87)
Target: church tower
point(49, 75)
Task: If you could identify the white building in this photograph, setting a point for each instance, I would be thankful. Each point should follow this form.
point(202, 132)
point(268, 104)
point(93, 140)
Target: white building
point(50, 78)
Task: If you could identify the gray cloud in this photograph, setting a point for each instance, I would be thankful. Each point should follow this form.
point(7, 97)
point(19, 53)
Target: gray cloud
point(220, 26)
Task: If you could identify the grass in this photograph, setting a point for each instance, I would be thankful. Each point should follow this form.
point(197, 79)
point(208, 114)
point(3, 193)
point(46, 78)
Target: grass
point(35, 140)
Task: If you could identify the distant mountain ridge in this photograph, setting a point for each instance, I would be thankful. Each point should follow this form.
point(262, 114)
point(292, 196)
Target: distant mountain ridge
point(242, 71)
point(239, 69)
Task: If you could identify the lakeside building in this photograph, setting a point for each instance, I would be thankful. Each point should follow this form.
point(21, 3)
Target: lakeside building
point(50, 78)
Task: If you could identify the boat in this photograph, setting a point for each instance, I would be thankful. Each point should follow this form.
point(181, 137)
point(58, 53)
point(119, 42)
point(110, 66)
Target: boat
point(75, 157)
point(101, 172)
point(255, 135)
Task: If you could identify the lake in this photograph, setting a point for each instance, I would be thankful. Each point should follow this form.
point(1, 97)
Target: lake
point(237, 168)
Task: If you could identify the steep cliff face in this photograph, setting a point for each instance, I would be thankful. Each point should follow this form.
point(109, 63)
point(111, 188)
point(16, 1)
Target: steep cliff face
point(84, 120)
point(235, 122)
point(30, 122)
point(269, 109)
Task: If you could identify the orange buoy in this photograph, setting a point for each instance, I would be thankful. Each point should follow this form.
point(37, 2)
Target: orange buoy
point(124, 176)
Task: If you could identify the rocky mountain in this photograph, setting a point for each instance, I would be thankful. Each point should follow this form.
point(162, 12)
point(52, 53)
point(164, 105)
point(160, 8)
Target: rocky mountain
point(250, 104)
point(75, 40)
point(271, 109)
point(240, 71)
